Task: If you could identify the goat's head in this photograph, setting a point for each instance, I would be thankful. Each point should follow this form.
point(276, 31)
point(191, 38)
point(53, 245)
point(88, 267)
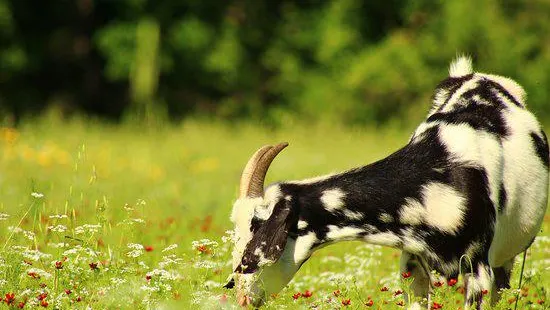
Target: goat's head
point(262, 222)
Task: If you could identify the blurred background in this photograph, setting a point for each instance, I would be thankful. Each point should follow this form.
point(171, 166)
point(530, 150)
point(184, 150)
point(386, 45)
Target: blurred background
point(344, 61)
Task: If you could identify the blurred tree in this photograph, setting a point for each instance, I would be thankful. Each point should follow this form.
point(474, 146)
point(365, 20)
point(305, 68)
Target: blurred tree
point(348, 61)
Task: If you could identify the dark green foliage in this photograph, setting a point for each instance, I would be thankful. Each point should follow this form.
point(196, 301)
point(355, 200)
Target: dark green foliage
point(346, 61)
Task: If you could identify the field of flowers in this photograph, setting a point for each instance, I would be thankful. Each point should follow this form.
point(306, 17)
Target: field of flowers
point(119, 217)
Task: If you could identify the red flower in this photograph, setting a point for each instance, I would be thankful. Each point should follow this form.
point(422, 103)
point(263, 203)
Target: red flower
point(438, 284)
point(42, 296)
point(33, 275)
point(485, 292)
point(223, 299)
point(307, 294)
point(369, 303)
point(436, 306)
point(297, 295)
point(147, 277)
point(336, 293)
point(203, 249)
point(21, 305)
point(398, 292)
point(406, 275)
point(79, 299)
point(68, 292)
point(346, 302)
point(384, 289)
point(44, 303)
point(149, 248)
point(10, 298)
point(93, 266)
point(451, 282)
point(540, 301)
point(400, 303)
point(59, 265)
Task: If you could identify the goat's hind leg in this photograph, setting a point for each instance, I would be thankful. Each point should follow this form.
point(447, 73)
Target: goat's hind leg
point(478, 284)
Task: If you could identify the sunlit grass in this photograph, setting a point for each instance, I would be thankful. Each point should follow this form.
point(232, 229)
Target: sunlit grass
point(105, 216)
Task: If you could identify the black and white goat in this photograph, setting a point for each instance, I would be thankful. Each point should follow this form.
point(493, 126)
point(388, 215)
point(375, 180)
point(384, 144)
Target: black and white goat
point(472, 181)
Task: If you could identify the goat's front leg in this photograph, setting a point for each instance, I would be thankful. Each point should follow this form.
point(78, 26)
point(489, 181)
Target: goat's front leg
point(421, 283)
point(478, 284)
point(501, 280)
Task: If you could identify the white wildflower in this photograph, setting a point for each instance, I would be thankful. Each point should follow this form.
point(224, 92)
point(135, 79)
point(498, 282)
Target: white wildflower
point(205, 264)
point(58, 245)
point(3, 282)
point(151, 289)
point(58, 216)
point(136, 250)
point(87, 228)
point(58, 228)
point(203, 243)
point(4, 216)
point(169, 260)
point(117, 281)
point(170, 248)
point(37, 271)
point(18, 230)
point(37, 195)
point(143, 265)
point(35, 255)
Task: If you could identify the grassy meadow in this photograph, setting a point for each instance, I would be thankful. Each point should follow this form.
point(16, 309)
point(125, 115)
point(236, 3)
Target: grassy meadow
point(99, 216)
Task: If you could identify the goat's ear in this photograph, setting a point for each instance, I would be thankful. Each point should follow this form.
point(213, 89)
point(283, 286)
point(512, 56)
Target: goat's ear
point(269, 240)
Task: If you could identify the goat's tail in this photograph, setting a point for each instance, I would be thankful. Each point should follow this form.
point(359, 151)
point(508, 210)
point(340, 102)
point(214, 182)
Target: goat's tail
point(461, 66)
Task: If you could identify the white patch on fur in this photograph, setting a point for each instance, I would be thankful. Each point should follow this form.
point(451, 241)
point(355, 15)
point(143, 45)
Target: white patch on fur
point(412, 212)
point(461, 66)
point(241, 216)
point(442, 207)
point(311, 180)
point(385, 238)
point(262, 259)
point(386, 218)
point(526, 183)
point(353, 215)
point(302, 224)
point(272, 195)
point(476, 148)
point(303, 247)
point(421, 129)
point(332, 199)
point(510, 85)
point(336, 233)
point(456, 98)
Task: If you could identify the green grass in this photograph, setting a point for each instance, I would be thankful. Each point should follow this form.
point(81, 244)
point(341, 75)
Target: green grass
point(148, 190)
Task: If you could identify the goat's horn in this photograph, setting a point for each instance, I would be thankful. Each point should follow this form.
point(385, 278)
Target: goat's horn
point(252, 179)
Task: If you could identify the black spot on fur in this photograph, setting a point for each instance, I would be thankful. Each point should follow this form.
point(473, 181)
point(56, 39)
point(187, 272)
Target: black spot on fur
point(450, 85)
point(478, 117)
point(541, 147)
point(502, 198)
point(504, 92)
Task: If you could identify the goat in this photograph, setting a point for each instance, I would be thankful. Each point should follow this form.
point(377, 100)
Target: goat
point(471, 182)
